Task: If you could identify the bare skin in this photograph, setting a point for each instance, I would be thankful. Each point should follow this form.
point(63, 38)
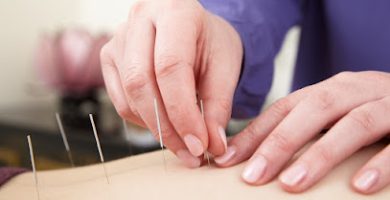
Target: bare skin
point(177, 52)
point(358, 104)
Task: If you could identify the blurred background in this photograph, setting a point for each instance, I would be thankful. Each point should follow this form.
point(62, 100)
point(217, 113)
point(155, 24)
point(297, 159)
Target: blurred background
point(39, 38)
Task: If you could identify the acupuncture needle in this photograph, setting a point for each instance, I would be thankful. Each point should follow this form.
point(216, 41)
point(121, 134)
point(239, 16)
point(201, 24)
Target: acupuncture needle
point(159, 132)
point(202, 112)
point(64, 139)
point(125, 126)
point(33, 165)
point(99, 147)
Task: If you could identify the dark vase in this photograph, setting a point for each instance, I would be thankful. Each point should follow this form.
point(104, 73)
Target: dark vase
point(75, 110)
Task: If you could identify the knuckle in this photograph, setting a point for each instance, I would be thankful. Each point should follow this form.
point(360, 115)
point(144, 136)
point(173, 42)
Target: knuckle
point(167, 133)
point(281, 107)
point(342, 76)
point(363, 119)
point(168, 64)
point(380, 78)
point(322, 153)
point(177, 115)
point(384, 104)
point(174, 3)
point(124, 112)
point(374, 77)
point(279, 141)
point(379, 75)
point(106, 54)
point(323, 99)
point(134, 82)
point(251, 132)
point(197, 14)
point(104, 50)
point(189, 6)
point(343, 81)
point(225, 105)
point(137, 8)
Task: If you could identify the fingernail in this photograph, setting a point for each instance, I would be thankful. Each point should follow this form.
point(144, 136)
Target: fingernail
point(293, 175)
point(366, 180)
point(188, 159)
point(255, 169)
point(230, 152)
point(222, 134)
point(194, 145)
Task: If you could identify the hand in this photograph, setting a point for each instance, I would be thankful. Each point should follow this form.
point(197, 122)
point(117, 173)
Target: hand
point(174, 51)
point(357, 108)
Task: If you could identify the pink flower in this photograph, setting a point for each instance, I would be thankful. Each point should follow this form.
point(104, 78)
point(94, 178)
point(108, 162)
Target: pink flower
point(69, 61)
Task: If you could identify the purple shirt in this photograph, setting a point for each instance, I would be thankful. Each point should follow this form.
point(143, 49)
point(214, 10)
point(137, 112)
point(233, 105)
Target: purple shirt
point(6, 173)
point(336, 36)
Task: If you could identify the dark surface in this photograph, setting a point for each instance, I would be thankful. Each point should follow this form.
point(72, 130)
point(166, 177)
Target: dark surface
point(49, 146)
point(50, 152)
point(39, 122)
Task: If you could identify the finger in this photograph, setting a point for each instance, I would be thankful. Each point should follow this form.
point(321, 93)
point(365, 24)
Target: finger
point(111, 54)
point(175, 50)
point(242, 146)
point(217, 86)
point(328, 101)
point(137, 74)
point(375, 175)
point(114, 88)
point(367, 123)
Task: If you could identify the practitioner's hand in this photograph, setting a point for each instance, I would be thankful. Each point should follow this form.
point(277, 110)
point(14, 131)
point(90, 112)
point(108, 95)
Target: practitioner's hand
point(174, 50)
point(356, 108)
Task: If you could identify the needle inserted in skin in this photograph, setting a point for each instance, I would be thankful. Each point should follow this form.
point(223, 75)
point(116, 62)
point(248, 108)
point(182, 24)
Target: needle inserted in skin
point(159, 132)
point(64, 139)
point(99, 147)
point(33, 165)
point(202, 111)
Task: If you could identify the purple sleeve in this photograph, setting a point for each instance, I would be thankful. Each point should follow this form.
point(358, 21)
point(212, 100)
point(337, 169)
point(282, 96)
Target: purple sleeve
point(262, 25)
point(6, 173)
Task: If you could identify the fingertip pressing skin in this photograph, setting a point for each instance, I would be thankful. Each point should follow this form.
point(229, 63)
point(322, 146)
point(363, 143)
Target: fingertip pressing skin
point(254, 170)
point(292, 177)
point(188, 159)
point(194, 144)
point(217, 139)
point(366, 180)
point(225, 158)
point(215, 121)
point(374, 175)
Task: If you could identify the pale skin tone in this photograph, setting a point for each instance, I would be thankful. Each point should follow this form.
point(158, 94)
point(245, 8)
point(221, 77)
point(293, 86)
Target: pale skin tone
point(177, 52)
